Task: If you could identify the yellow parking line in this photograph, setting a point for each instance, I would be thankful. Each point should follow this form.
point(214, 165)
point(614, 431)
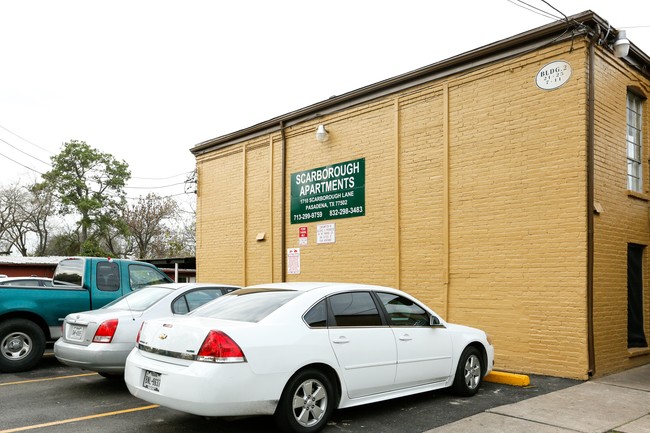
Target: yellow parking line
point(83, 418)
point(47, 378)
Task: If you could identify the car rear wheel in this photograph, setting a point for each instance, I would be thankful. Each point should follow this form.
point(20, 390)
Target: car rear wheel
point(469, 373)
point(306, 404)
point(22, 344)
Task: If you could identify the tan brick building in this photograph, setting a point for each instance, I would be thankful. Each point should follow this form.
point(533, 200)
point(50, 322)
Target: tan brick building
point(506, 187)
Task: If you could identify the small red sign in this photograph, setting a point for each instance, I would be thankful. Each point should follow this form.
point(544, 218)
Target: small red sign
point(302, 232)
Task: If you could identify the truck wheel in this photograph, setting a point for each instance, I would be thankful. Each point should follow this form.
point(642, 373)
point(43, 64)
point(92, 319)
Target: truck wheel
point(22, 343)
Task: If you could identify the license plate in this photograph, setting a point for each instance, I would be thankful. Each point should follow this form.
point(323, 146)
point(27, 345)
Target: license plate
point(76, 332)
point(151, 380)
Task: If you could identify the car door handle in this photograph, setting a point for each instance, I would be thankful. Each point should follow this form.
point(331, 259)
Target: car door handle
point(341, 340)
point(405, 337)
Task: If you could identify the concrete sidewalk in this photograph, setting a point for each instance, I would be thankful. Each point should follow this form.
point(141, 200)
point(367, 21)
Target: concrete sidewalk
point(616, 403)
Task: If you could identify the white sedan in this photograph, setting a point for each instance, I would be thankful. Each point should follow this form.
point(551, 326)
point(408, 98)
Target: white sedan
point(300, 350)
point(100, 340)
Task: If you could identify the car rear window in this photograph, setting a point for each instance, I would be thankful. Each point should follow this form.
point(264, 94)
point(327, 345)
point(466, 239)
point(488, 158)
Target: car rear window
point(139, 300)
point(246, 305)
point(69, 272)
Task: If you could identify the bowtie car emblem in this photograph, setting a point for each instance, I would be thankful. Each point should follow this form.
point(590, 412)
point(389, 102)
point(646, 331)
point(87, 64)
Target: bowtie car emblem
point(162, 336)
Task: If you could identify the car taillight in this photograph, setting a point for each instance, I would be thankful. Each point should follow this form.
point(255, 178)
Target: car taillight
point(218, 347)
point(105, 332)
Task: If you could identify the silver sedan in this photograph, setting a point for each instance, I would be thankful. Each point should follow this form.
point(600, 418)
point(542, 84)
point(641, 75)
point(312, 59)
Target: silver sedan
point(100, 340)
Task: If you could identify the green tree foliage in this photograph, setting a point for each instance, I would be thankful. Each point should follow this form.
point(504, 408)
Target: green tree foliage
point(65, 243)
point(90, 184)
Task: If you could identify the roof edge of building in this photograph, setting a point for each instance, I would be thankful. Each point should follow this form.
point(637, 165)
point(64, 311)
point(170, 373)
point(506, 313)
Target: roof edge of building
point(538, 37)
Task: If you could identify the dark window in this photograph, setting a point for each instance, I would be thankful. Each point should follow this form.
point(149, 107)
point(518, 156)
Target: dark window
point(192, 300)
point(246, 305)
point(354, 309)
point(635, 333)
point(316, 317)
point(402, 311)
point(108, 276)
point(69, 272)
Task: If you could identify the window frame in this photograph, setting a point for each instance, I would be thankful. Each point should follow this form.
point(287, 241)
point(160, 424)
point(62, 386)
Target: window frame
point(407, 314)
point(634, 140)
point(108, 285)
point(330, 321)
point(183, 298)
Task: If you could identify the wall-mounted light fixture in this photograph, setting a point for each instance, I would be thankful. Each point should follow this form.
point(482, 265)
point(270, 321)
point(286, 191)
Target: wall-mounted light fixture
point(321, 134)
point(621, 45)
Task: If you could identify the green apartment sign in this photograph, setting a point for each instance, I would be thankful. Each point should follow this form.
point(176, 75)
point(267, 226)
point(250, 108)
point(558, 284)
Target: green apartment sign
point(330, 192)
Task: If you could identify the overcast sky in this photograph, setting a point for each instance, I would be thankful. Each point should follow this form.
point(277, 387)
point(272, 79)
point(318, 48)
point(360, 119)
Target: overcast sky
point(146, 80)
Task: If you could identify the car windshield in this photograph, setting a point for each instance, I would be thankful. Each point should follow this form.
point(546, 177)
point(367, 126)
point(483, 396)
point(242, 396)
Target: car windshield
point(139, 300)
point(246, 305)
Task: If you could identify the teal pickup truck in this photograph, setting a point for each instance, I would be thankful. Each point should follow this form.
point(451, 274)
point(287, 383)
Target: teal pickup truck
point(32, 316)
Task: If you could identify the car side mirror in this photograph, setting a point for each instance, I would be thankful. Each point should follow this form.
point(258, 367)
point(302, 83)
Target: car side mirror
point(434, 321)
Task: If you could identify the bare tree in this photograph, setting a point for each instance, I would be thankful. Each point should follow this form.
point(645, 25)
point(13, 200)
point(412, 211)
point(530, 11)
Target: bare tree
point(24, 215)
point(15, 204)
point(147, 221)
point(6, 208)
point(43, 207)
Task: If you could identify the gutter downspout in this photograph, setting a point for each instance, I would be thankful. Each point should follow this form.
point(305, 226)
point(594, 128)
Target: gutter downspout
point(590, 205)
point(283, 188)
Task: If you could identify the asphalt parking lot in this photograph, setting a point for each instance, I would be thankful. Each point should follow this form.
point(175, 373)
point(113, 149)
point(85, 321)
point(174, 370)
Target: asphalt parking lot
point(56, 398)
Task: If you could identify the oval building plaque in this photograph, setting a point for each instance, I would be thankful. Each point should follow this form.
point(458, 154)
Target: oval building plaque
point(553, 75)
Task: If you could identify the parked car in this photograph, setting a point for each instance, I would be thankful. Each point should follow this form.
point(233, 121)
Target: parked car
point(100, 340)
point(26, 281)
point(300, 350)
point(32, 316)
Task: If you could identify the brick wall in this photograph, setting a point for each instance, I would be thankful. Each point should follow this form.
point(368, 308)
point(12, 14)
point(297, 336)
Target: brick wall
point(475, 203)
point(624, 217)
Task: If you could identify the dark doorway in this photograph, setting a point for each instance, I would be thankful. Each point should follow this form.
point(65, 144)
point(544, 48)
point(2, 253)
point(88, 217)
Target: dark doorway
point(635, 332)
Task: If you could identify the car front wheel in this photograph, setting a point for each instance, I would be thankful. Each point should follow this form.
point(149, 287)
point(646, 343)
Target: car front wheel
point(469, 373)
point(306, 404)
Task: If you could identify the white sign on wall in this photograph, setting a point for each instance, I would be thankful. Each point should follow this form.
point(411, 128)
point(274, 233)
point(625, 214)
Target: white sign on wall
point(293, 261)
point(553, 75)
point(326, 233)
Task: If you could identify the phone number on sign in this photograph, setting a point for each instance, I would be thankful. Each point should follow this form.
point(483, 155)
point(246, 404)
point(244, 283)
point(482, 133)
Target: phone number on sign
point(308, 216)
point(346, 211)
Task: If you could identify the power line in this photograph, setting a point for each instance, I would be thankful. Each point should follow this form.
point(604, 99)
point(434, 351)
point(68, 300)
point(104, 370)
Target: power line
point(557, 10)
point(154, 187)
point(162, 178)
point(186, 173)
point(522, 4)
point(27, 141)
point(22, 165)
point(25, 153)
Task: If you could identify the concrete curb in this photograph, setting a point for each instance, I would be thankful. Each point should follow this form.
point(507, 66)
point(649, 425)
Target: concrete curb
point(507, 378)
